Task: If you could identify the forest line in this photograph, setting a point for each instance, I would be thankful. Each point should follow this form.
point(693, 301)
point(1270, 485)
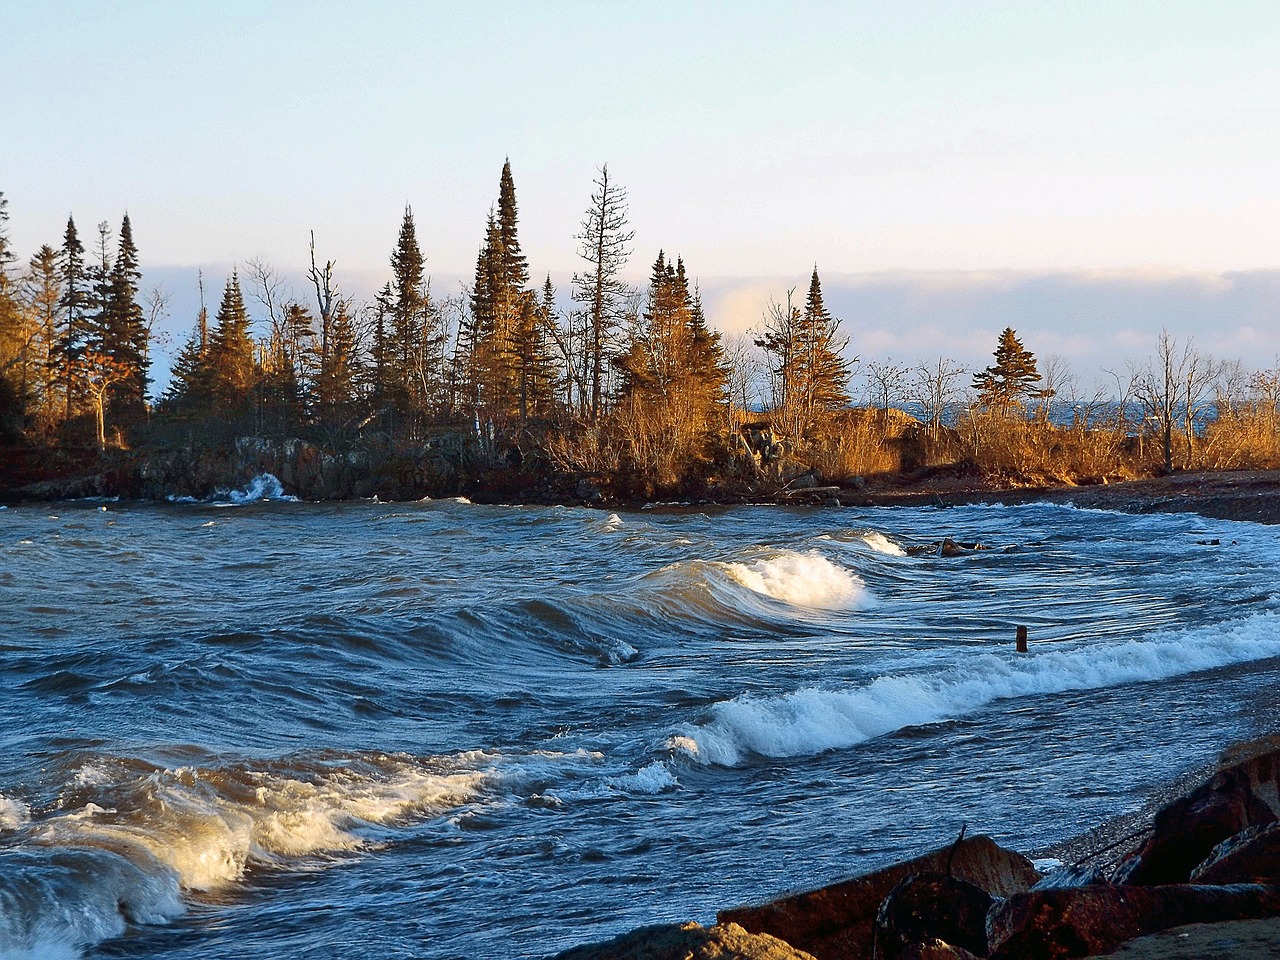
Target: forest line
point(631, 387)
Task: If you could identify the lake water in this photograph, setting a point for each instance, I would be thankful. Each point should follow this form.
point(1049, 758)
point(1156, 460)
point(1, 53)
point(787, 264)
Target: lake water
point(277, 729)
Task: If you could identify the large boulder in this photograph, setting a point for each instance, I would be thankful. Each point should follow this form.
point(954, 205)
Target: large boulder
point(926, 908)
point(838, 922)
point(1252, 856)
point(1081, 922)
point(1184, 832)
point(687, 941)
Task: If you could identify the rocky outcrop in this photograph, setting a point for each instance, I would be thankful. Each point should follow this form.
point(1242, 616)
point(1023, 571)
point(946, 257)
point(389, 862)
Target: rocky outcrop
point(1251, 856)
point(838, 921)
point(1241, 795)
point(1083, 921)
point(688, 941)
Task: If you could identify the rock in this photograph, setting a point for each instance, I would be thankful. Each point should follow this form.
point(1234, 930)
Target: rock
point(1251, 856)
point(838, 922)
point(1080, 922)
point(687, 941)
point(1066, 878)
point(937, 950)
point(929, 907)
point(1184, 832)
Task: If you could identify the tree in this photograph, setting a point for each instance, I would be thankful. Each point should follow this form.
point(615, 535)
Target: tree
point(74, 305)
point(99, 372)
point(604, 240)
point(42, 293)
point(934, 387)
point(124, 328)
point(1173, 391)
point(230, 362)
point(808, 373)
point(17, 331)
point(1012, 379)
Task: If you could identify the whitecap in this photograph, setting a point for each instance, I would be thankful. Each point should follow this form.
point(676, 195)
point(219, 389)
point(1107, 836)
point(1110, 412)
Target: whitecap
point(814, 720)
point(265, 486)
point(801, 579)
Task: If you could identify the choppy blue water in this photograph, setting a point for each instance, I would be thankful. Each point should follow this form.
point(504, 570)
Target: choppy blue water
point(273, 729)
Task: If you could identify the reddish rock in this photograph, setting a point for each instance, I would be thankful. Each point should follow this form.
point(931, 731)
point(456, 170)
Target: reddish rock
point(1252, 856)
point(1184, 832)
point(687, 941)
point(1081, 922)
point(930, 907)
point(838, 922)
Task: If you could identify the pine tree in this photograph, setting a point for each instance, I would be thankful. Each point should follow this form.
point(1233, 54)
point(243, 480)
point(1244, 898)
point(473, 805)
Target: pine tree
point(824, 371)
point(43, 291)
point(1013, 377)
point(74, 307)
point(125, 330)
point(230, 360)
point(808, 373)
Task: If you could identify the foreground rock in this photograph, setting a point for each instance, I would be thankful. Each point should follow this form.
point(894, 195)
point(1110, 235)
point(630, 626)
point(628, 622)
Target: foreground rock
point(688, 941)
point(1239, 796)
point(838, 922)
point(1081, 922)
point(928, 912)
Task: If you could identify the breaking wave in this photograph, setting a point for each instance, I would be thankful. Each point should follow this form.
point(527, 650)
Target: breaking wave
point(801, 579)
point(128, 838)
point(815, 720)
point(264, 486)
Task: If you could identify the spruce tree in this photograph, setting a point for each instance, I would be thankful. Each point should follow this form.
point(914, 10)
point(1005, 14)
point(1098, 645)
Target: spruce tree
point(230, 354)
point(43, 291)
point(1012, 379)
point(125, 329)
point(824, 371)
point(74, 305)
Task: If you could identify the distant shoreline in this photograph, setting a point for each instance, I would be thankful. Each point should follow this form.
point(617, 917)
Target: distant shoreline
point(33, 476)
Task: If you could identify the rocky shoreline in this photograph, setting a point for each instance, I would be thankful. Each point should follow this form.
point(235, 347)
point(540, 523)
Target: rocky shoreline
point(1200, 878)
point(312, 473)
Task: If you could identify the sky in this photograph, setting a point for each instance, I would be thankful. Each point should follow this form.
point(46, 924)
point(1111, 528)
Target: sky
point(1086, 172)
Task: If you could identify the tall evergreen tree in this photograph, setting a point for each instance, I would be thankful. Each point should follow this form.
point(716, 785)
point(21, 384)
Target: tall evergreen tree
point(1012, 379)
point(125, 329)
point(43, 291)
point(230, 353)
point(74, 307)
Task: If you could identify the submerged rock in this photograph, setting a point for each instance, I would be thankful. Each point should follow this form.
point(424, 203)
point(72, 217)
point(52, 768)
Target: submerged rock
point(838, 922)
point(687, 941)
point(1081, 922)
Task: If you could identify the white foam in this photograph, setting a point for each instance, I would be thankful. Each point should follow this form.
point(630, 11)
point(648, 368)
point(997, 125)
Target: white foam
point(801, 579)
point(882, 544)
point(183, 499)
point(264, 486)
point(652, 779)
point(13, 813)
point(617, 651)
point(811, 721)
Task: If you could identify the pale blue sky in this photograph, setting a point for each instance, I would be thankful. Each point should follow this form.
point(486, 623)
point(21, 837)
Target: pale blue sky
point(754, 138)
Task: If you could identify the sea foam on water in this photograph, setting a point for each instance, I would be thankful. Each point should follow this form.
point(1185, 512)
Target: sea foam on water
point(801, 579)
point(814, 720)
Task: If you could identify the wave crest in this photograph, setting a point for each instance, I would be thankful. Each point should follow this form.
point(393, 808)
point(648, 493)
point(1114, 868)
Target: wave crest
point(801, 579)
point(812, 721)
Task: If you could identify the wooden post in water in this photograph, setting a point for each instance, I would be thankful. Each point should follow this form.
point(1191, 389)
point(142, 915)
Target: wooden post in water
point(1022, 639)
